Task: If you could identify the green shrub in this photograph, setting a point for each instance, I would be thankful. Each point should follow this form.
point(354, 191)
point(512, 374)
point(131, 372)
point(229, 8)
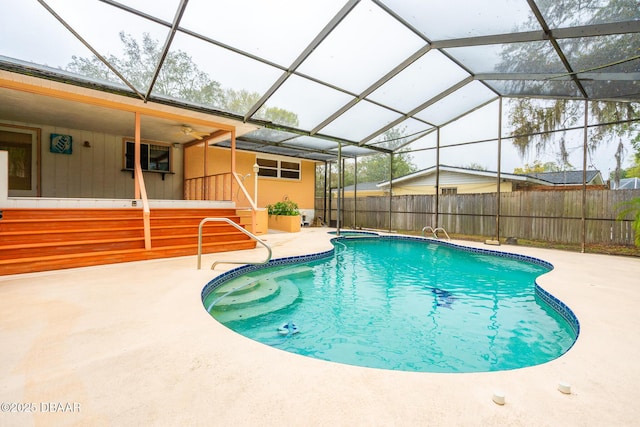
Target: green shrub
point(632, 207)
point(286, 208)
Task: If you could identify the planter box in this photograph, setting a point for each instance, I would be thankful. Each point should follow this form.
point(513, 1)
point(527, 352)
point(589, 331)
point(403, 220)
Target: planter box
point(290, 224)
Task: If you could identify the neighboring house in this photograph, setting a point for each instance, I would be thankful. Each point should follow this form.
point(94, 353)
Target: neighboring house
point(569, 179)
point(457, 180)
point(626, 184)
point(362, 189)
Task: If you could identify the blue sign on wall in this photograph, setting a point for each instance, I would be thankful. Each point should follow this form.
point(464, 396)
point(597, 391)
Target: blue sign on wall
point(61, 144)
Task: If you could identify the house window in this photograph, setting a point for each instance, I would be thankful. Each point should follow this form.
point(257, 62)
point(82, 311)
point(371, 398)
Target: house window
point(449, 191)
point(153, 157)
point(278, 168)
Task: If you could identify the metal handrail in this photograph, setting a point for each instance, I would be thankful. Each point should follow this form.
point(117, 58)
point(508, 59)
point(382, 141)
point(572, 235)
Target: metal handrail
point(424, 230)
point(248, 233)
point(434, 232)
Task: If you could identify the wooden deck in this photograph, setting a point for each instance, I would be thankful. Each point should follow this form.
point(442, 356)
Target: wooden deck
point(43, 239)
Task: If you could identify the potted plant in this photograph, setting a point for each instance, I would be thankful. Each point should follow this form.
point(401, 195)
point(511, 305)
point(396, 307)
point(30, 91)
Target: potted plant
point(284, 216)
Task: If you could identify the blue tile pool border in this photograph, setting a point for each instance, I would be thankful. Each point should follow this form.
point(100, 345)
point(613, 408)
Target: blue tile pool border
point(557, 305)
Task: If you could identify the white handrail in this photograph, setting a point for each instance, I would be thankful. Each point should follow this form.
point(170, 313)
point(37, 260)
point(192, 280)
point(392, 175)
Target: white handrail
point(424, 230)
point(248, 233)
point(434, 232)
point(146, 210)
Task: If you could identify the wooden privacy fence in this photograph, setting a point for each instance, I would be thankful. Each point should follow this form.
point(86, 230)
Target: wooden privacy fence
point(554, 216)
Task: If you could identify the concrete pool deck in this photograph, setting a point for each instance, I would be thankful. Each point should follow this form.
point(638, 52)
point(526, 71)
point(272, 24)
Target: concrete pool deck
point(131, 345)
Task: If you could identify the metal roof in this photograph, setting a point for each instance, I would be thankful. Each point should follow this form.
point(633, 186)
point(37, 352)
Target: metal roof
point(569, 177)
point(627, 184)
point(349, 70)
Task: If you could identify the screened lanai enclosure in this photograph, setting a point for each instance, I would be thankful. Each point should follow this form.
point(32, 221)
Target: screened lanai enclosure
point(377, 90)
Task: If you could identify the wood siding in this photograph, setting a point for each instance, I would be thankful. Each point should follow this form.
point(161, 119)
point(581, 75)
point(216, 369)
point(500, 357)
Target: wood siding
point(96, 171)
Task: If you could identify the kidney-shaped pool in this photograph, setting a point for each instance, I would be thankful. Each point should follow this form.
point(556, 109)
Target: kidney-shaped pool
point(399, 303)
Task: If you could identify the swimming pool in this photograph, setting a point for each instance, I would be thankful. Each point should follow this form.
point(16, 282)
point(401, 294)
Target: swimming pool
point(399, 303)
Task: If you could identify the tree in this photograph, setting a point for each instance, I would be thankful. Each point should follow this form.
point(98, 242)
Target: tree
point(536, 167)
point(631, 208)
point(373, 168)
point(538, 117)
point(179, 77)
point(475, 166)
point(634, 170)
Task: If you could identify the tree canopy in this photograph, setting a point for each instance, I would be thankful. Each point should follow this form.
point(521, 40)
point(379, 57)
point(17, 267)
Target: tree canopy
point(374, 168)
point(537, 166)
point(534, 120)
point(180, 77)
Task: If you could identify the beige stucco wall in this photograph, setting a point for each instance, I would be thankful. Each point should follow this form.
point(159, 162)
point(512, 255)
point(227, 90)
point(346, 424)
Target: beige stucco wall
point(96, 171)
point(270, 190)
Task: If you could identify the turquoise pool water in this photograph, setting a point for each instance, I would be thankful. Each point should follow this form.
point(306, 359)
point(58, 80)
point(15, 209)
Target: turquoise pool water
point(401, 304)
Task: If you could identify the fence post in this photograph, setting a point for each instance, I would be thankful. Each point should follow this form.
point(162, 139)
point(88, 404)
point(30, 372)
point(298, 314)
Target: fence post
point(584, 177)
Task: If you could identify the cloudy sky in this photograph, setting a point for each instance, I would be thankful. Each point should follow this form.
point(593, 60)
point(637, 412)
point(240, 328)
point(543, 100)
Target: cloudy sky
point(352, 57)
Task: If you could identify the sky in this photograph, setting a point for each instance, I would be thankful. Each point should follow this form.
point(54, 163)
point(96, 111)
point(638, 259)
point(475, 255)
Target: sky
point(353, 57)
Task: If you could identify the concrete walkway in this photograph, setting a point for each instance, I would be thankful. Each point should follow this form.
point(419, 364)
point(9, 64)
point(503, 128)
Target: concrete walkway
point(131, 345)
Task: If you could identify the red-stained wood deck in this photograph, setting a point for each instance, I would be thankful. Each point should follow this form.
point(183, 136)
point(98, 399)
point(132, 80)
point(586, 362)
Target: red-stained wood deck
point(38, 239)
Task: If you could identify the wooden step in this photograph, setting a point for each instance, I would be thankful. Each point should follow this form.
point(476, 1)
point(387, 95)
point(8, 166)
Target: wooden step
point(60, 235)
point(47, 239)
point(59, 262)
point(70, 247)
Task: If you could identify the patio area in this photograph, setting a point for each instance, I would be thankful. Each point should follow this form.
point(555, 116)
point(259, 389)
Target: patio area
point(131, 344)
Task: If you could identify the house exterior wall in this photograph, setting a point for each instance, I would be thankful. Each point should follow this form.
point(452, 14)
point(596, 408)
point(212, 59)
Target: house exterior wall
point(461, 188)
point(270, 190)
point(361, 193)
point(96, 171)
point(464, 184)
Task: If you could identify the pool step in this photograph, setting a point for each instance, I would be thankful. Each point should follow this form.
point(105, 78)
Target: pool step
point(239, 285)
point(277, 295)
point(249, 281)
point(260, 290)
